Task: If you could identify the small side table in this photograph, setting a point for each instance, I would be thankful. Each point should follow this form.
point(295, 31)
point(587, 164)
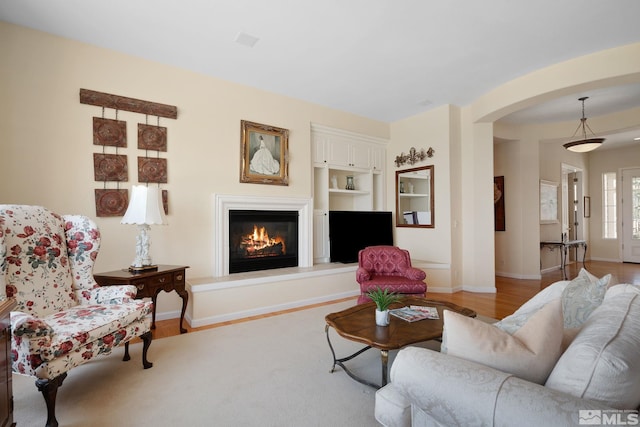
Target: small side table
point(149, 284)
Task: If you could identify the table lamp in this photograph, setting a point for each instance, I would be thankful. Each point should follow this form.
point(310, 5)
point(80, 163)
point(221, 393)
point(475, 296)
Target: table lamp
point(145, 208)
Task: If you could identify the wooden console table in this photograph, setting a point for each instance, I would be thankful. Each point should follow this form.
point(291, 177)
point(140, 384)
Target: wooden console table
point(149, 284)
point(564, 250)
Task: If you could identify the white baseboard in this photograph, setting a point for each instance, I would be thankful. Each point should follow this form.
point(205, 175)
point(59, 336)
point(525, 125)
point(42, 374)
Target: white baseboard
point(519, 276)
point(605, 259)
point(195, 323)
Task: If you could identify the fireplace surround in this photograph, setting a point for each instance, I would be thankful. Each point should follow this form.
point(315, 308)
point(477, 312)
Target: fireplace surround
point(225, 204)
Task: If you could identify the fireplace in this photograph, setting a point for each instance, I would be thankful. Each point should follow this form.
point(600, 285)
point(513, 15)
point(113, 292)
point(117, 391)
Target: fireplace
point(262, 240)
point(225, 204)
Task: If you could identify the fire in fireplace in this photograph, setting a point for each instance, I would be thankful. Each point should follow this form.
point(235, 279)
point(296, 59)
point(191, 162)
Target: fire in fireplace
point(262, 240)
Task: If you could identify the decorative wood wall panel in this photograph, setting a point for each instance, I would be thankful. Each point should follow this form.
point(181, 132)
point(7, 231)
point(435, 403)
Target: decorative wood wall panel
point(152, 170)
point(113, 133)
point(117, 102)
point(110, 167)
point(152, 137)
point(109, 132)
point(111, 202)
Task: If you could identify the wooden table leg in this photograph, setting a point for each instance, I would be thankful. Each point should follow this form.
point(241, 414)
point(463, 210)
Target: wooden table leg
point(384, 355)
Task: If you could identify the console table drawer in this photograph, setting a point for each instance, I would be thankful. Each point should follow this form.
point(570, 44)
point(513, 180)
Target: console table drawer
point(178, 278)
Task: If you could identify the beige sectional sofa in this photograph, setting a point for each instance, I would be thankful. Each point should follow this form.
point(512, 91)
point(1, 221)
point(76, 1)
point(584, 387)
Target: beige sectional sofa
point(595, 380)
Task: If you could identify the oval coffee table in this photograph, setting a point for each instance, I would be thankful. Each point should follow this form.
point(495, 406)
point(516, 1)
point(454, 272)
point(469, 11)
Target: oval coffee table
point(358, 324)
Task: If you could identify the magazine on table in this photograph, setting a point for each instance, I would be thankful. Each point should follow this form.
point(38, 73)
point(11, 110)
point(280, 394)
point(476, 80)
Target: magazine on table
point(414, 313)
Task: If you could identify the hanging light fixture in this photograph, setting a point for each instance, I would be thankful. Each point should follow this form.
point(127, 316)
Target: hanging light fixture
point(585, 144)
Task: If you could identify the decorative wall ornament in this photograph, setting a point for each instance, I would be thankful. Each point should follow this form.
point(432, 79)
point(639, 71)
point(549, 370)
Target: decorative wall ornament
point(110, 167)
point(152, 170)
point(113, 167)
point(124, 103)
point(548, 202)
point(152, 137)
point(264, 154)
point(109, 132)
point(110, 202)
point(414, 156)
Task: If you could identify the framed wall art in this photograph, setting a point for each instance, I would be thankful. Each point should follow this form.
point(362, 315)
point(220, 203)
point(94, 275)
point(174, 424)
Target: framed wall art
point(548, 202)
point(264, 154)
point(498, 203)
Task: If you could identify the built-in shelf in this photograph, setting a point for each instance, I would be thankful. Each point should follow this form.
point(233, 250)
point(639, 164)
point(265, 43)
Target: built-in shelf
point(409, 195)
point(349, 192)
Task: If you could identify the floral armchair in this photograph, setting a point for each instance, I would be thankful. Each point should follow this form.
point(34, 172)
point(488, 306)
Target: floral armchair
point(388, 267)
point(63, 318)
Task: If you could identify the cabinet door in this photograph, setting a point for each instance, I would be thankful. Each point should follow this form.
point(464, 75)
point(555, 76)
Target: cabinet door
point(320, 236)
point(319, 150)
point(377, 158)
point(360, 157)
point(338, 153)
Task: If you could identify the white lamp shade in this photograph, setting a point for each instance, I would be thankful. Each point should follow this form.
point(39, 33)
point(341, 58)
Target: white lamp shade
point(145, 206)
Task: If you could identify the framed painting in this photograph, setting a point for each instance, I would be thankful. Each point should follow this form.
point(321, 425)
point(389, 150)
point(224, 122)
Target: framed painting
point(548, 202)
point(264, 154)
point(498, 203)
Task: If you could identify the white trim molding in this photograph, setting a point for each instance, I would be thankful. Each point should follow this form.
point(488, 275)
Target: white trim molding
point(223, 203)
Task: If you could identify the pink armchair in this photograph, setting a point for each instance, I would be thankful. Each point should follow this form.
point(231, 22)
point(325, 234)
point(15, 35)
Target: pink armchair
point(63, 318)
point(388, 267)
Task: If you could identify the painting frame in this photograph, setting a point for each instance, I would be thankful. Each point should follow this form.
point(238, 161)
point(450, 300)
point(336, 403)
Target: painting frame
point(587, 206)
point(264, 154)
point(548, 202)
point(498, 204)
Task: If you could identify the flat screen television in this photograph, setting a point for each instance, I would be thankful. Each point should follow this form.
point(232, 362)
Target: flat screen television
point(351, 231)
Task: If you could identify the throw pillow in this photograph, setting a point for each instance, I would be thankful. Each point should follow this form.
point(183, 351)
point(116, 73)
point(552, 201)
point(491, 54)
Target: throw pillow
point(602, 363)
point(530, 353)
point(515, 321)
point(581, 296)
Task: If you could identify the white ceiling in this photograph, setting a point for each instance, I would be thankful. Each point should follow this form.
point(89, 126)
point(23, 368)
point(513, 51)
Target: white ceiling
point(381, 59)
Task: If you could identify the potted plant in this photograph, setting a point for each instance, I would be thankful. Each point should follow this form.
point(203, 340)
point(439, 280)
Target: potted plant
point(383, 299)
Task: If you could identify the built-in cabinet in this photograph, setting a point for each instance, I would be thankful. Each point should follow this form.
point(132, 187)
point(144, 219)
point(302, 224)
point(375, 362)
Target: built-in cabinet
point(338, 157)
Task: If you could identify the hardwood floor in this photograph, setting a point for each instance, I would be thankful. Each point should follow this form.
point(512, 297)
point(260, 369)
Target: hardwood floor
point(511, 294)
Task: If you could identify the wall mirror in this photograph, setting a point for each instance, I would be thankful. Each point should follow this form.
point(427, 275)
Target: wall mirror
point(414, 197)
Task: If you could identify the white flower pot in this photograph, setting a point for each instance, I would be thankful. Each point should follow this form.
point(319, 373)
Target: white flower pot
point(382, 317)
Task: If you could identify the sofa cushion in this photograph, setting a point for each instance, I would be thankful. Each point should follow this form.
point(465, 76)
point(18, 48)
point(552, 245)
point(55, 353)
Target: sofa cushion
point(530, 353)
point(602, 362)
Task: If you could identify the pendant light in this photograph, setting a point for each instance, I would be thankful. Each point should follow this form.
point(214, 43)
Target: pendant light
point(585, 144)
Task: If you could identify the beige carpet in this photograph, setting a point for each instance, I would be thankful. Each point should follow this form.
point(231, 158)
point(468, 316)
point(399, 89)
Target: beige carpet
point(267, 372)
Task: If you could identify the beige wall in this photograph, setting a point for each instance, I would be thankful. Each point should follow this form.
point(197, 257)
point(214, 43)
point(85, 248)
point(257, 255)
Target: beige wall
point(47, 152)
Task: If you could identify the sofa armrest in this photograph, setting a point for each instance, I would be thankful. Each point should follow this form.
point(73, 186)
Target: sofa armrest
point(414, 273)
point(117, 294)
point(25, 325)
point(362, 275)
point(452, 391)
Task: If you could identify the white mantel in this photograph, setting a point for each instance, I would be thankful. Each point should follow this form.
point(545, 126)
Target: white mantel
point(223, 203)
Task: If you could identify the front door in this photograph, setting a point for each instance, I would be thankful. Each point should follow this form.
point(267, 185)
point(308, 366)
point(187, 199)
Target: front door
point(631, 215)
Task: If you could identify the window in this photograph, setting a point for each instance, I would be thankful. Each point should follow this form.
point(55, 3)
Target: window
point(609, 218)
